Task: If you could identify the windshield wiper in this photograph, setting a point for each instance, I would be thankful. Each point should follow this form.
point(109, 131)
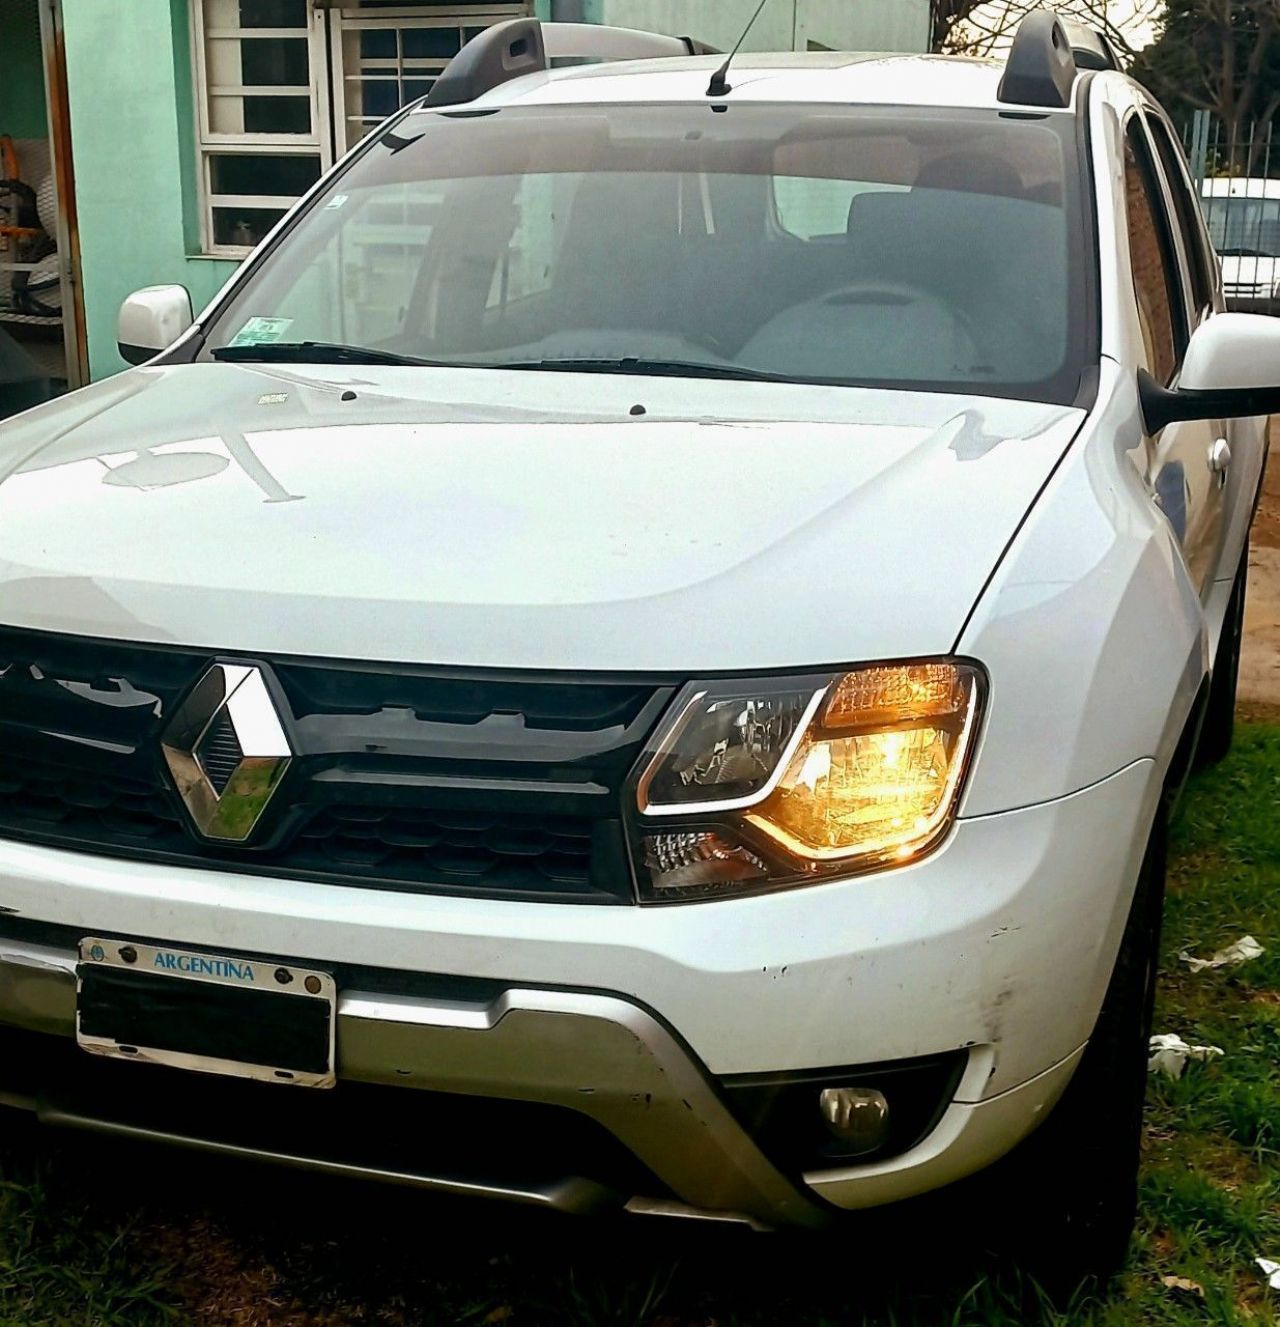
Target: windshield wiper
point(328, 352)
point(673, 368)
point(317, 352)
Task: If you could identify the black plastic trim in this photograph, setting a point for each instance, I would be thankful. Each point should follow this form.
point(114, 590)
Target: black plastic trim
point(1041, 69)
point(414, 780)
point(1171, 405)
point(493, 57)
point(780, 1110)
point(1091, 48)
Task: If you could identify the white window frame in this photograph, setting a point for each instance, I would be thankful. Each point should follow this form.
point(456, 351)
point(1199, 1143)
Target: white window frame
point(350, 18)
point(316, 144)
point(328, 140)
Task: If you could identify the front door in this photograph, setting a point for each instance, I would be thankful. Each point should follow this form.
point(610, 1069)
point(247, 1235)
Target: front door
point(1188, 489)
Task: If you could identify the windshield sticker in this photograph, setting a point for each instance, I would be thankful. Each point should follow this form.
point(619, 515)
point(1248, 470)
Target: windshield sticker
point(336, 201)
point(261, 331)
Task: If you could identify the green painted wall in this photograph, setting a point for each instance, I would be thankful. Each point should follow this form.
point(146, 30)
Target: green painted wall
point(134, 159)
point(22, 107)
point(841, 25)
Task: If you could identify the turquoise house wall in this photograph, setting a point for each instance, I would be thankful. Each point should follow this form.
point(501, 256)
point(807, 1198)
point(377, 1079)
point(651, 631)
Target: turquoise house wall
point(129, 74)
point(22, 105)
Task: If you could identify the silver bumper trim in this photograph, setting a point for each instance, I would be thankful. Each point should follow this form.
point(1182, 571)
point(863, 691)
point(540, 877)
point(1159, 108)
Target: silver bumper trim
point(574, 1195)
point(594, 1053)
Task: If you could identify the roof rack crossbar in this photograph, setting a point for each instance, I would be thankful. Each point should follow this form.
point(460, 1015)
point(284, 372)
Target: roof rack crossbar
point(1041, 69)
point(526, 46)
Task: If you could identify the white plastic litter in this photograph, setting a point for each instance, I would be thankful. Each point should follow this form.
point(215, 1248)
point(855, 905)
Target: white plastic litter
point(1169, 1054)
point(1231, 957)
point(1271, 1270)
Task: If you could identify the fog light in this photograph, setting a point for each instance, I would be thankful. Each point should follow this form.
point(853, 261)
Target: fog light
point(857, 1116)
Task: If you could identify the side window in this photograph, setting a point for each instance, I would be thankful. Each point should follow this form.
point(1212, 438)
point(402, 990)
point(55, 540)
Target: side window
point(1155, 271)
point(1187, 209)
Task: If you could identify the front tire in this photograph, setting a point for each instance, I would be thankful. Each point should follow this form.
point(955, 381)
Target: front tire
point(1069, 1193)
point(1220, 712)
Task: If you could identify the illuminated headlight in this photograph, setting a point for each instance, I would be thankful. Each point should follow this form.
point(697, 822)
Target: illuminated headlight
point(759, 783)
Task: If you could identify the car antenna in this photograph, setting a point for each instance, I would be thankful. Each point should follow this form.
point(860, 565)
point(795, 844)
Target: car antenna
point(720, 85)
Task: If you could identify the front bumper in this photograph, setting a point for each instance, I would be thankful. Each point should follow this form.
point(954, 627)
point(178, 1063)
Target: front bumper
point(1000, 945)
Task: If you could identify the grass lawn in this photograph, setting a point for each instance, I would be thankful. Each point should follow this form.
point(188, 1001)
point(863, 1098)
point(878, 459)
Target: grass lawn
point(106, 1234)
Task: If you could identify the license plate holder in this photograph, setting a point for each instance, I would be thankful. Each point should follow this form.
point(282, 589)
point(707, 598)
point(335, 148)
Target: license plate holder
point(211, 1013)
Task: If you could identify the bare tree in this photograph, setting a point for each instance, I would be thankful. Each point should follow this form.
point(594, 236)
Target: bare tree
point(947, 19)
point(981, 27)
point(1220, 56)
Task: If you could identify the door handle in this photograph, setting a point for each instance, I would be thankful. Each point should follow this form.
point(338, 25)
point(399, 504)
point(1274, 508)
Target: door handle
point(1219, 456)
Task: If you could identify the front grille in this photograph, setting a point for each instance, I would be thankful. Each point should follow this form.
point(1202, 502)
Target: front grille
point(409, 779)
point(464, 848)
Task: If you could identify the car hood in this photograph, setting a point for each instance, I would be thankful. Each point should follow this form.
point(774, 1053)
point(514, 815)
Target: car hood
point(535, 520)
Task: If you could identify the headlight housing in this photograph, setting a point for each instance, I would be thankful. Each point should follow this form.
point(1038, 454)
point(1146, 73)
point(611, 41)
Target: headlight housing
point(760, 783)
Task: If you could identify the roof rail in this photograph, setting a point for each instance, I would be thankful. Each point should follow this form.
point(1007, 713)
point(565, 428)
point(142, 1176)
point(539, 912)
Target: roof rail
point(1091, 48)
point(526, 46)
point(1041, 69)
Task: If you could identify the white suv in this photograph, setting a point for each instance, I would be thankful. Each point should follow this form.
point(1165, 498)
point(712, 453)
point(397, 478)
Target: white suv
point(636, 655)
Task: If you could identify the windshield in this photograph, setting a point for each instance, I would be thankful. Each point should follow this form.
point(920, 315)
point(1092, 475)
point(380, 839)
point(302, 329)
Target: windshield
point(1244, 227)
point(899, 248)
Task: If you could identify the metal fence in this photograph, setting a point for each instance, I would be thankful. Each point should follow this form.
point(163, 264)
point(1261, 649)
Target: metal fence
point(1237, 175)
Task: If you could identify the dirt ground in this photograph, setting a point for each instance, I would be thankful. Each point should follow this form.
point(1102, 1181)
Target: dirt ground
point(1260, 658)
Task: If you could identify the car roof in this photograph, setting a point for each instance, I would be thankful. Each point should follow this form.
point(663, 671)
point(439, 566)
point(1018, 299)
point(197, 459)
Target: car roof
point(1240, 186)
point(820, 77)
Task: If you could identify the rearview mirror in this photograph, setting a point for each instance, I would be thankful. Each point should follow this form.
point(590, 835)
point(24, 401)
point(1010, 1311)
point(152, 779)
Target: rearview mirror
point(1231, 370)
point(152, 319)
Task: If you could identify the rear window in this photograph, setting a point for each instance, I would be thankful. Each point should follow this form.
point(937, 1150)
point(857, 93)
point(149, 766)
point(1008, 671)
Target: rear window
point(924, 249)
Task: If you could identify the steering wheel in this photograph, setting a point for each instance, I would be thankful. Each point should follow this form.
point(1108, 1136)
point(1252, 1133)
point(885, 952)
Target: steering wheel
point(863, 292)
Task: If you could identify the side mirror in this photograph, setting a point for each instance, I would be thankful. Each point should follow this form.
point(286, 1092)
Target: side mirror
point(152, 319)
point(1231, 371)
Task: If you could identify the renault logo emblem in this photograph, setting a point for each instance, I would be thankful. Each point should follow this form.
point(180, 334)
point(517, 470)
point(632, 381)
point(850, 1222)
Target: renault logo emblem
point(227, 751)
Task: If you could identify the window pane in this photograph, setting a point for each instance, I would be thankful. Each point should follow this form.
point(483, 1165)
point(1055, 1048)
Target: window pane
point(235, 114)
point(273, 13)
point(274, 62)
point(381, 96)
point(430, 43)
point(243, 227)
point(930, 249)
point(1152, 269)
point(277, 115)
point(1187, 211)
point(1245, 226)
point(283, 176)
point(378, 44)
